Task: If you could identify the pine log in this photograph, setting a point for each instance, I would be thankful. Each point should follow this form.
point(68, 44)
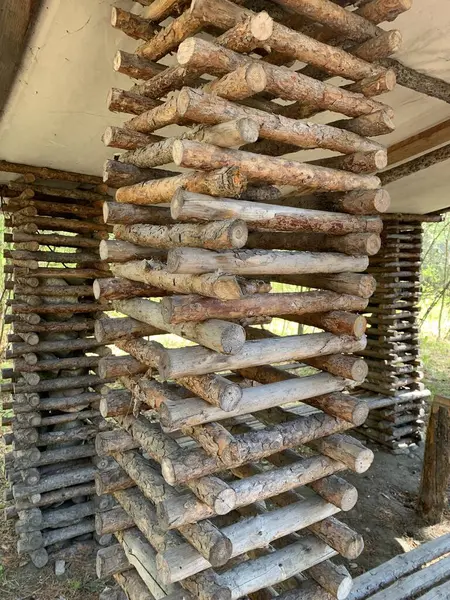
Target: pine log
point(342, 283)
point(252, 533)
point(220, 182)
point(205, 108)
point(414, 166)
point(133, 586)
point(109, 330)
point(312, 95)
point(74, 477)
point(358, 202)
point(117, 174)
point(215, 285)
point(191, 412)
point(268, 169)
point(119, 289)
point(180, 309)
point(132, 25)
point(260, 262)
point(122, 251)
point(192, 206)
point(220, 235)
point(221, 336)
point(122, 101)
point(419, 82)
point(116, 213)
point(261, 31)
point(46, 173)
point(345, 449)
point(337, 322)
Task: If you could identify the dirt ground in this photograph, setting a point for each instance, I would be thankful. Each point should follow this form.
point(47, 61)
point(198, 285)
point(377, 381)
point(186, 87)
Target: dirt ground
point(384, 515)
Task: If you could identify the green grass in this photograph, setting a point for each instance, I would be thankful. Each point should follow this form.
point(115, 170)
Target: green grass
point(435, 354)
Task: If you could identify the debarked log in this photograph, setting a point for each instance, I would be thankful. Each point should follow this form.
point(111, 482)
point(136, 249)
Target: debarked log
point(197, 261)
point(180, 309)
point(221, 336)
point(193, 411)
point(117, 288)
point(188, 206)
point(216, 285)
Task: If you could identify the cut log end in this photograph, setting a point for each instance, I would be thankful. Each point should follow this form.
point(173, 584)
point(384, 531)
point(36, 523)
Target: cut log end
point(359, 326)
point(261, 26)
point(359, 370)
point(364, 460)
point(186, 51)
point(225, 502)
point(382, 201)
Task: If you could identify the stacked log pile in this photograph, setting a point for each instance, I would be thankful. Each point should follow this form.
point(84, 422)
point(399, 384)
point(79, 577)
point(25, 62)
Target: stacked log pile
point(225, 491)
point(395, 370)
point(50, 385)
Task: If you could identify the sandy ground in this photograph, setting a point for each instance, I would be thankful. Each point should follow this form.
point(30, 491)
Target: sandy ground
point(384, 515)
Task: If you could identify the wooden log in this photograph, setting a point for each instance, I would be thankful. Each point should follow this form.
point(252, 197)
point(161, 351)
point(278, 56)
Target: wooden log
point(111, 367)
point(176, 363)
point(337, 322)
point(117, 174)
point(398, 567)
point(275, 567)
point(132, 25)
point(189, 206)
point(127, 102)
point(419, 82)
point(199, 106)
point(73, 477)
point(347, 450)
point(252, 533)
point(344, 283)
point(122, 251)
point(46, 173)
point(358, 202)
point(119, 289)
point(180, 309)
point(117, 213)
point(310, 95)
point(271, 170)
point(20, 308)
point(133, 586)
point(220, 235)
point(216, 285)
point(220, 336)
point(435, 474)
point(261, 31)
point(70, 345)
point(111, 560)
point(224, 181)
point(336, 18)
point(109, 330)
point(260, 262)
point(61, 383)
point(74, 324)
point(333, 578)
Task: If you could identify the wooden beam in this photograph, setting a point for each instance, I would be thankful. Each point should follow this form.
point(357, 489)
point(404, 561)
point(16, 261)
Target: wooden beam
point(15, 18)
point(419, 143)
point(415, 165)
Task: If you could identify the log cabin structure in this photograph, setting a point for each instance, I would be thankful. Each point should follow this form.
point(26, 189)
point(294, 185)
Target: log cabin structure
point(223, 467)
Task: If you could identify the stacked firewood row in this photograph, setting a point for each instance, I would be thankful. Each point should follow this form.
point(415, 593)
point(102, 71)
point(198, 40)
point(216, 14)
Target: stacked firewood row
point(50, 383)
point(392, 354)
point(227, 466)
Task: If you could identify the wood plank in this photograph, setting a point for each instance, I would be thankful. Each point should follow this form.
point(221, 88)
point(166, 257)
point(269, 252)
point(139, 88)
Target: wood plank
point(399, 566)
point(419, 143)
